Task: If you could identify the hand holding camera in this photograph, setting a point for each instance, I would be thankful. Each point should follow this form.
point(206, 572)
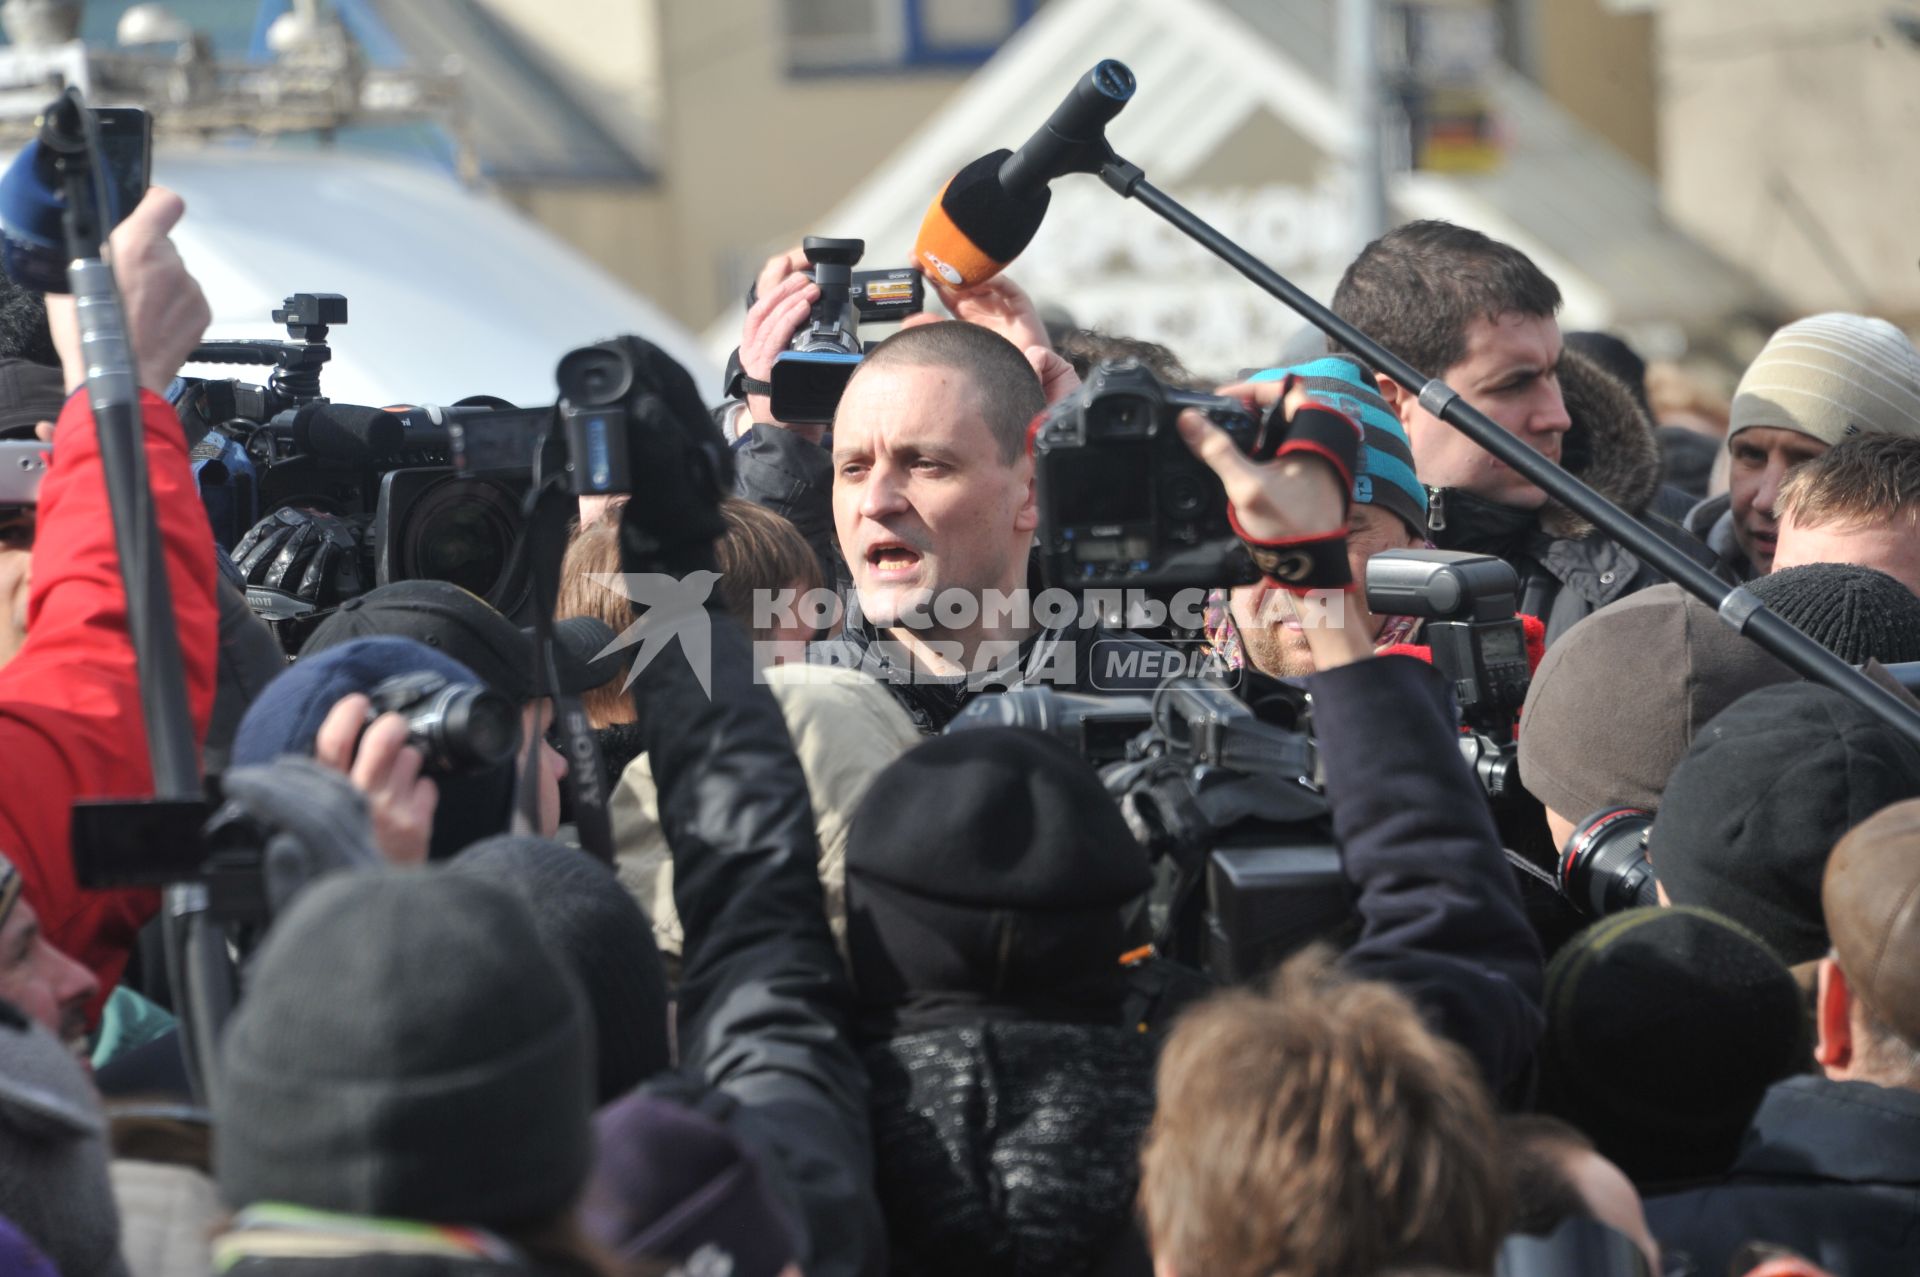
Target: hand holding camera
point(784, 296)
point(1294, 497)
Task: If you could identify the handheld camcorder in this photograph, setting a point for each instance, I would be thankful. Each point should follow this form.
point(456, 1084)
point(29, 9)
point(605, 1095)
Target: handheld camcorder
point(1122, 500)
point(809, 376)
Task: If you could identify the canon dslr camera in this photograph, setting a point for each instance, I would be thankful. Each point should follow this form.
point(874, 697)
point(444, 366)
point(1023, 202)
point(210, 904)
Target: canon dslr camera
point(1122, 500)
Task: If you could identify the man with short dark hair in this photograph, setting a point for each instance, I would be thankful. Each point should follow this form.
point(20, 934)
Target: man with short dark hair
point(934, 510)
point(1830, 1166)
point(1479, 314)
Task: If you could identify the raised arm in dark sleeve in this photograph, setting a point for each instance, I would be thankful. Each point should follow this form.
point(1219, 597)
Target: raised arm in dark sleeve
point(1440, 915)
point(776, 468)
point(764, 1000)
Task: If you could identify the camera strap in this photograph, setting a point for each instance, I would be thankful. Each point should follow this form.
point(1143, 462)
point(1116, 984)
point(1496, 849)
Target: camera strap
point(1318, 562)
point(550, 511)
point(1300, 565)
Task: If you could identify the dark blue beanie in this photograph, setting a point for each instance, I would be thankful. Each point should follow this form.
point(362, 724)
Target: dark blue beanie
point(286, 716)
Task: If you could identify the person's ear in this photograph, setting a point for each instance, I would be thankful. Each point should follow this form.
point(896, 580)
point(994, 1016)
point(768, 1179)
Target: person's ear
point(1833, 1018)
point(1402, 403)
point(1027, 517)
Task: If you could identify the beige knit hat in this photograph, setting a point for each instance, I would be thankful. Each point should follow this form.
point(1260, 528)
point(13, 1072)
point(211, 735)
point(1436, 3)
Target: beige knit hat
point(1832, 376)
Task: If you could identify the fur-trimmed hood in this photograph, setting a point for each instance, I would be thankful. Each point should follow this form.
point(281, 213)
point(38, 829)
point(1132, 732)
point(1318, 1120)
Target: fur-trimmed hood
point(1611, 447)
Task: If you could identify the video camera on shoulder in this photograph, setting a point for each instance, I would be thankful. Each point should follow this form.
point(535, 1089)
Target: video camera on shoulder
point(1123, 502)
point(809, 376)
point(387, 473)
point(1228, 805)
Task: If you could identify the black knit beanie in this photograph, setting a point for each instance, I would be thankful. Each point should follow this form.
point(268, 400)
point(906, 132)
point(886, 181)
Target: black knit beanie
point(1853, 612)
point(1767, 789)
point(1664, 1029)
point(407, 1048)
point(990, 866)
point(590, 922)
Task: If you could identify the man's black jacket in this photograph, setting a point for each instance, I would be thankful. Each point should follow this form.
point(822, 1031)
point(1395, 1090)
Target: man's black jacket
point(765, 1003)
point(1829, 1169)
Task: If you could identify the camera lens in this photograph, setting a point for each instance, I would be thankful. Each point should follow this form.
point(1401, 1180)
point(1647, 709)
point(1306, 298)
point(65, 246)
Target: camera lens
point(470, 728)
point(1604, 867)
point(463, 531)
point(457, 727)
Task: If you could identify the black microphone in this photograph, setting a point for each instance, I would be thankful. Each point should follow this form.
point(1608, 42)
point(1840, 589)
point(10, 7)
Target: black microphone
point(974, 228)
point(1073, 138)
point(347, 432)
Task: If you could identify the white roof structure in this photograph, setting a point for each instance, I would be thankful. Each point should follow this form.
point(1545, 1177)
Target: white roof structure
point(1207, 70)
point(450, 293)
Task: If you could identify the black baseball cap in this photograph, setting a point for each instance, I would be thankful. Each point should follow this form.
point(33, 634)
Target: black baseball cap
point(30, 393)
point(449, 619)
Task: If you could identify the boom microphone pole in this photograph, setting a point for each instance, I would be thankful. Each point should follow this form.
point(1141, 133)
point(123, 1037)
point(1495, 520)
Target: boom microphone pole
point(63, 173)
point(1074, 141)
point(69, 136)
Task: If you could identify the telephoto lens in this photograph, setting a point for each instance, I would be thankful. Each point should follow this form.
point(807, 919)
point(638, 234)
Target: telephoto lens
point(1604, 867)
point(457, 727)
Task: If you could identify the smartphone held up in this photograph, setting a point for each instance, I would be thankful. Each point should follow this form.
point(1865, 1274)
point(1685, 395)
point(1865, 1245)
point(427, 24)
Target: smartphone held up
point(34, 204)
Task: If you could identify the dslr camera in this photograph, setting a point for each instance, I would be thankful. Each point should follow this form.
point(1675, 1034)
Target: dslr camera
point(809, 376)
point(1603, 867)
point(1122, 500)
point(1468, 603)
point(457, 727)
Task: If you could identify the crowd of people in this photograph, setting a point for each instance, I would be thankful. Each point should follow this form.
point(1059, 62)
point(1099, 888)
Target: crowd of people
point(870, 984)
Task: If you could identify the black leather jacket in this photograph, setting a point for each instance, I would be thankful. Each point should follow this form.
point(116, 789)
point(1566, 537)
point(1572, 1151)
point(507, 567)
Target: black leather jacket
point(765, 1003)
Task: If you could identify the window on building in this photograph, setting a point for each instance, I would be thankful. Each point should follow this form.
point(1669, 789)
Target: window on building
point(835, 37)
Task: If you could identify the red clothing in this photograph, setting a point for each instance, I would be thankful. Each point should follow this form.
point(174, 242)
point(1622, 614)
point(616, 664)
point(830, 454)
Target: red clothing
point(70, 718)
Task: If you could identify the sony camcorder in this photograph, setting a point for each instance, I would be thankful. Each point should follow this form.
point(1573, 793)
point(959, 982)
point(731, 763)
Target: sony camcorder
point(1123, 502)
point(809, 376)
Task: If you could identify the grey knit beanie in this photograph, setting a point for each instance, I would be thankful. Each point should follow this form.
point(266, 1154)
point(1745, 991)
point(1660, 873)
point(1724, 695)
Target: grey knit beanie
point(53, 1152)
point(407, 1048)
point(1853, 612)
point(1831, 376)
point(590, 922)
